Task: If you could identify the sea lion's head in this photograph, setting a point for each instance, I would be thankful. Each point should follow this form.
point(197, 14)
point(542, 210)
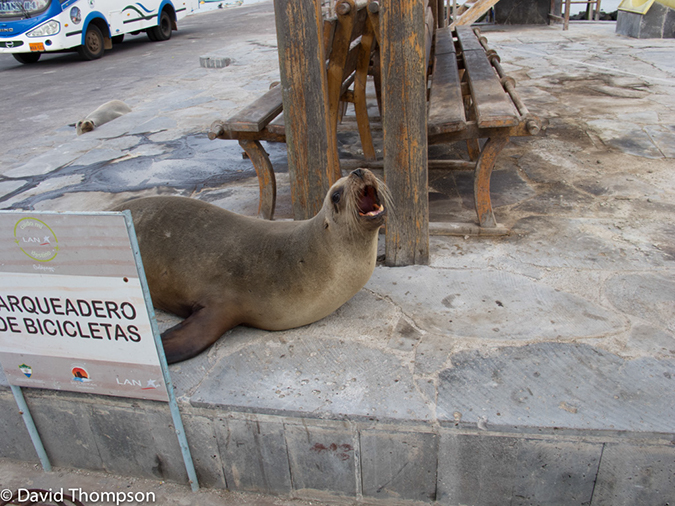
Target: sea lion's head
point(84, 126)
point(358, 201)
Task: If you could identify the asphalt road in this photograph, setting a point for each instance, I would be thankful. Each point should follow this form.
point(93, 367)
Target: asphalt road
point(61, 88)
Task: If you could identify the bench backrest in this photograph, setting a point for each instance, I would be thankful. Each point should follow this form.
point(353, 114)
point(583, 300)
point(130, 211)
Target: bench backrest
point(340, 35)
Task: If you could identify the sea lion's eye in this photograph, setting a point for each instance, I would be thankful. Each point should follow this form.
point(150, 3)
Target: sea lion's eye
point(335, 198)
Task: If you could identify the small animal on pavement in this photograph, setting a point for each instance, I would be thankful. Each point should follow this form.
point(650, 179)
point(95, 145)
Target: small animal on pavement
point(219, 269)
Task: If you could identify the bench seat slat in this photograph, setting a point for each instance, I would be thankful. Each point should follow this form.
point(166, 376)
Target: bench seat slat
point(278, 126)
point(444, 42)
point(446, 107)
point(429, 33)
point(256, 116)
point(493, 105)
point(467, 39)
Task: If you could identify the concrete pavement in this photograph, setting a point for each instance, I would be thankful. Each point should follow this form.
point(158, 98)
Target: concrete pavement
point(535, 368)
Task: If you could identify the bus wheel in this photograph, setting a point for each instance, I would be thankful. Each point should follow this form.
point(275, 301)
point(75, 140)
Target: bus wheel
point(27, 57)
point(163, 30)
point(92, 49)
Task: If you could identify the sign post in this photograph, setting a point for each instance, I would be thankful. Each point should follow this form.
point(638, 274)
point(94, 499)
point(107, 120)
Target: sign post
point(76, 314)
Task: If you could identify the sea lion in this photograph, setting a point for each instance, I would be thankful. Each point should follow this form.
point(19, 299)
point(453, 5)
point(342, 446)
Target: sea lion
point(107, 112)
point(219, 269)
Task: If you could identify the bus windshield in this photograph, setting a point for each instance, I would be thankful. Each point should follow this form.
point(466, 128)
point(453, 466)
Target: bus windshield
point(22, 8)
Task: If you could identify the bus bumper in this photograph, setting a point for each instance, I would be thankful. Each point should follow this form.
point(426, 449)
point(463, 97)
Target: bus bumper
point(69, 35)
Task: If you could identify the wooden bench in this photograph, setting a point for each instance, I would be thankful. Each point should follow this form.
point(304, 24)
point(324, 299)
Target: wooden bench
point(349, 42)
point(471, 98)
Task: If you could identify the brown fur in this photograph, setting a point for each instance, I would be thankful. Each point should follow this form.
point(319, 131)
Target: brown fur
point(220, 269)
point(107, 112)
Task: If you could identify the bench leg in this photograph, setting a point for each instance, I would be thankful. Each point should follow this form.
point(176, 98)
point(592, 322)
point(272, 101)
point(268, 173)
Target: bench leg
point(473, 146)
point(360, 81)
point(266, 179)
point(377, 79)
point(481, 182)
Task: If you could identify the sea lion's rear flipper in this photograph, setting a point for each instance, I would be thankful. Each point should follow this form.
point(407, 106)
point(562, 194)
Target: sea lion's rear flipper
point(194, 334)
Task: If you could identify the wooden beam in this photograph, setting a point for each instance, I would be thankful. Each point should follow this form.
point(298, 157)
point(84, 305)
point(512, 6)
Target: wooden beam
point(257, 115)
point(446, 107)
point(402, 24)
point(313, 163)
point(475, 11)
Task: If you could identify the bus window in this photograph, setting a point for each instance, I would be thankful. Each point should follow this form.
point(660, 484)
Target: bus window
point(22, 8)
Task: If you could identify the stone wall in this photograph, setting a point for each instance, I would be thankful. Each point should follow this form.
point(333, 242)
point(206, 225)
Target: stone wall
point(522, 12)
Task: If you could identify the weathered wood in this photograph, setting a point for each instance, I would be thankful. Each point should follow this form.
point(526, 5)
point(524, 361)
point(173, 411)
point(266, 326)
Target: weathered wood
point(405, 130)
point(338, 58)
point(492, 104)
point(429, 29)
point(473, 132)
point(278, 126)
point(218, 131)
point(446, 109)
point(256, 116)
point(473, 147)
point(350, 63)
point(481, 182)
point(360, 81)
point(433, 164)
point(313, 163)
point(359, 20)
point(467, 39)
point(464, 104)
point(328, 33)
point(440, 228)
point(376, 71)
point(439, 14)
point(374, 17)
point(475, 11)
point(445, 43)
point(266, 180)
point(472, 143)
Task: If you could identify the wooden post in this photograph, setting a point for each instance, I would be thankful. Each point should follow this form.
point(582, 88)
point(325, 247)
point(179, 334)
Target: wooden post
point(404, 126)
point(313, 163)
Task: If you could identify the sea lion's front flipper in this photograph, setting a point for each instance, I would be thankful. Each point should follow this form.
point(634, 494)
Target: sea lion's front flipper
point(194, 334)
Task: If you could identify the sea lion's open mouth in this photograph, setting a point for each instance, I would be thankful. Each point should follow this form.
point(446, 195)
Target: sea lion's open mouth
point(369, 203)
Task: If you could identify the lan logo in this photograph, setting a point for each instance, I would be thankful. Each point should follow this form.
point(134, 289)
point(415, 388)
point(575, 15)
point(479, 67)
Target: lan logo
point(36, 239)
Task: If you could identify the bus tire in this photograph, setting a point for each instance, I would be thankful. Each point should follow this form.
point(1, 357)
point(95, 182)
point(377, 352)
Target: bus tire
point(93, 47)
point(163, 30)
point(27, 58)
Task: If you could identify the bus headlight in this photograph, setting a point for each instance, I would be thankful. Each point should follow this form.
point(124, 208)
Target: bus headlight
point(50, 28)
point(75, 15)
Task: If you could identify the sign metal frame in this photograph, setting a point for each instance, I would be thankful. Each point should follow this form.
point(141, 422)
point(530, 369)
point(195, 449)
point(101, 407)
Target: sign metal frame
point(47, 254)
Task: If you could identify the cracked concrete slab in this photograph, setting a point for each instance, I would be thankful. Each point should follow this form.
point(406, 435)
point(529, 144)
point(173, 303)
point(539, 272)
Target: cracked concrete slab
point(538, 364)
point(62, 156)
point(491, 305)
point(323, 378)
point(566, 386)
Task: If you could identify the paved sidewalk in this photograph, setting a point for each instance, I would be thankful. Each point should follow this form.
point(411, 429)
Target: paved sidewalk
point(539, 365)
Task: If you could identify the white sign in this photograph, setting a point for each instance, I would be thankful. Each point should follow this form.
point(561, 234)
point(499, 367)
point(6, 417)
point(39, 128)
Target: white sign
point(73, 314)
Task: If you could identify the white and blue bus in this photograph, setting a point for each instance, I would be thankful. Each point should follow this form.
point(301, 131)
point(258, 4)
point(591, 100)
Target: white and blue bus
point(29, 28)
